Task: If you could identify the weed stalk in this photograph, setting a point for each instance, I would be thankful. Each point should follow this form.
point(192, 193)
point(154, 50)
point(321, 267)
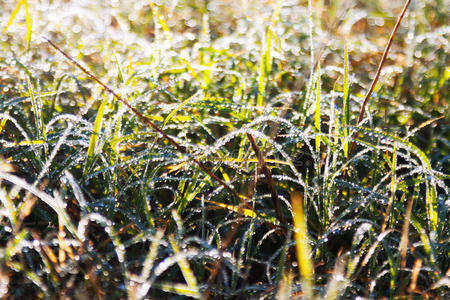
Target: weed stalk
point(377, 75)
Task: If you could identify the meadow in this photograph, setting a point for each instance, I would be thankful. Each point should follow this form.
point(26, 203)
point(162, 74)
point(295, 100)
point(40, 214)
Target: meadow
point(220, 149)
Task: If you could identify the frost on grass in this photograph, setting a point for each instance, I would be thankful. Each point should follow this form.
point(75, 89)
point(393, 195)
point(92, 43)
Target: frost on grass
point(94, 202)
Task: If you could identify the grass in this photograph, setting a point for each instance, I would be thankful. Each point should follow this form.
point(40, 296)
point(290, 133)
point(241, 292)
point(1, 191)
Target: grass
point(224, 149)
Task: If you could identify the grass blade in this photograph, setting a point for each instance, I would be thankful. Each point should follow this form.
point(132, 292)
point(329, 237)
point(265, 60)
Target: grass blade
point(148, 264)
point(147, 121)
point(393, 165)
point(161, 22)
point(346, 121)
point(285, 287)
point(266, 57)
point(317, 115)
point(173, 112)
point(179, 289)
point(55, 203)
point(302, 245)
point(95, 135)
point(188, 275)
point(29, 23)
point(13, 15)
point(27, 19)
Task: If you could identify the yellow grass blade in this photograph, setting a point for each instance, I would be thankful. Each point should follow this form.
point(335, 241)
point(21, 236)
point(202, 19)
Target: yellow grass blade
point(173, 112)
point(317, 115)
point(12, 16)
point(303, 248)
point(29, 23)
point(188, 275)
point(245, 211)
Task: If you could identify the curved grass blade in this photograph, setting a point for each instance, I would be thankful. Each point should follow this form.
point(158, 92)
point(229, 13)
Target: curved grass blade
point(3, 122)
point(32, 276)
point(148, 265)
point(147, 121)
point(427, 245)
point(55, 203)
point(431, 198)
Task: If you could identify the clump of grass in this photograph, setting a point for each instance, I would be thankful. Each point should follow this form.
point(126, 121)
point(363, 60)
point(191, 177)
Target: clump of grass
point(183, 153)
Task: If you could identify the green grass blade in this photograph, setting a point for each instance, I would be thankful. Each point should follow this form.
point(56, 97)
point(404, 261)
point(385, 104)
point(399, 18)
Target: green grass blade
point(262, 75)
point(346, 121)
point(32, 276)
point(95, 134)
point(393, 165)
point(184, 198)
point(118, 120)
point(282, 264)
point(14, 247)
point(266, 57)
point(40, 132)
point(425, 240)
